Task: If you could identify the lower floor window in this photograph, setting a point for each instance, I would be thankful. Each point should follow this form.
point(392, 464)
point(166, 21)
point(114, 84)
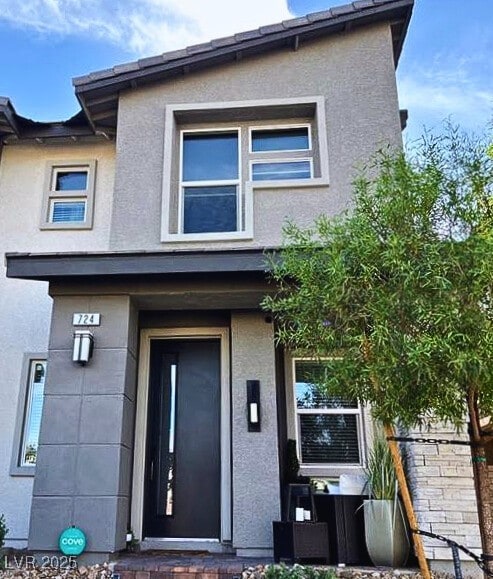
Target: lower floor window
point(328, 427)
point(32, 413)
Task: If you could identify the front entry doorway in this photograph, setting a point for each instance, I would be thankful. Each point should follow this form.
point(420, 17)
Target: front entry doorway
point(182, 487)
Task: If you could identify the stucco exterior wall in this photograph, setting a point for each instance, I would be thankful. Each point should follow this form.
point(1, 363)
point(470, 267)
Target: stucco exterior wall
point(25, 307)
point(256, 491)
point(22, 175)
point(353, 72)
point(83, 470)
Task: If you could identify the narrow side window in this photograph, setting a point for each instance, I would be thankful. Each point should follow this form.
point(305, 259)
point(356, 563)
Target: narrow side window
point(29, 417)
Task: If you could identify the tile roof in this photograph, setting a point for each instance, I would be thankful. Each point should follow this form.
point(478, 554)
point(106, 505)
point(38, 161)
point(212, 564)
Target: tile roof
point(350, 11)
point(98, 91)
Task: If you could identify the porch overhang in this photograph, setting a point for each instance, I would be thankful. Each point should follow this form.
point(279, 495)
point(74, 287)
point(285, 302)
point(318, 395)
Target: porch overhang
point(74, 266)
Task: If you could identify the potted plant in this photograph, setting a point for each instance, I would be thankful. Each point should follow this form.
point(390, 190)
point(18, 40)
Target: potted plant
point(385, 530)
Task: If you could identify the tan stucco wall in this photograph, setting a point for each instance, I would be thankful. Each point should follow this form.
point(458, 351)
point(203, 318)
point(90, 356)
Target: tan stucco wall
point(22, 176)
point(353, 72)
point(256, 493)
point(25, 307)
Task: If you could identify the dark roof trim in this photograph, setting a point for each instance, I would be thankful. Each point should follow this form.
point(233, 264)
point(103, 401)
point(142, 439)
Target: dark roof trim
point(8, 118)
point(70, 266)
point(403, 116)
point(96, 90)
point(15, 127)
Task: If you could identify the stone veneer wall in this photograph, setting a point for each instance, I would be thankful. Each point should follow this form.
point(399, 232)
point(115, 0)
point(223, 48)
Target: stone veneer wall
point(444, 497)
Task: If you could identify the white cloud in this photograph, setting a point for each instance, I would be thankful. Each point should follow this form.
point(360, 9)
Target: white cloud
point(143, 27)
point(455, 87)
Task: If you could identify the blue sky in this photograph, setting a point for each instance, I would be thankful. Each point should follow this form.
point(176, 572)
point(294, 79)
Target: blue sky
point(446, 69)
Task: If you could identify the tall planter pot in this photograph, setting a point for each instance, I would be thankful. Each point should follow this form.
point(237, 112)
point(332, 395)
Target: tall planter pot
point(385, 533)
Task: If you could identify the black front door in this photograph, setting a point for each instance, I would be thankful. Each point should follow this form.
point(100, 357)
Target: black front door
point(182, 490)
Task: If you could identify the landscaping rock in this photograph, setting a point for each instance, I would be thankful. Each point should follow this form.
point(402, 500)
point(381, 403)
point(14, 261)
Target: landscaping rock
point(30, 572)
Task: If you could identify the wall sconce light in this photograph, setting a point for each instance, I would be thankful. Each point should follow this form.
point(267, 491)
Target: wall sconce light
point(253, 405)
point(83, 346)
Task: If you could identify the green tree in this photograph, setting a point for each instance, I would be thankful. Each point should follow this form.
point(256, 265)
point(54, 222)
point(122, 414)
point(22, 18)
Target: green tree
point(395, 296)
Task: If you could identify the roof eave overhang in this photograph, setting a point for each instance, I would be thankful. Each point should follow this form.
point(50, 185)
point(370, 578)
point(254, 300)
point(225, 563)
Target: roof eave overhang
point(99, 96)
point(16, 129)
point(73, 266)
point(8, 119)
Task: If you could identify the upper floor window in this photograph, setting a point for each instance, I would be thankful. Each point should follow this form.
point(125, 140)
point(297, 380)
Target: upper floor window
point(281, 170)
point(224, 161)
point(280, 139)
point(329, 429)
point(210, 181)
point(275, 153)
point(69, 195)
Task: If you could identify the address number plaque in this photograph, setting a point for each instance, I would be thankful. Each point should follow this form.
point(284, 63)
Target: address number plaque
point(86, 319)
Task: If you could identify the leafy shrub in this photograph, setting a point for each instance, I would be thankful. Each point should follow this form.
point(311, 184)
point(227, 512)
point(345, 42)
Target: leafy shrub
point(3, 530)
point(297, 572)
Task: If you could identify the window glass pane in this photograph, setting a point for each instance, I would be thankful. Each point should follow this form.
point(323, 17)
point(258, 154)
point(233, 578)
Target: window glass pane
point(309, 395)
point(68, 211)
point(210, 209)
point(329, 438)
point(34, 408)
point(71, 181)
point(280, 140)
point(210, 156)
point(281, 170)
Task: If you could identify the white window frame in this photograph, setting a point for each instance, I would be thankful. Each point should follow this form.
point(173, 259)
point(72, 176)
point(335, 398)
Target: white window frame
point(357, 411)
point(177, 113)
point(280, 161)
point(17, 467)
point(212, 183)
point(279, 128)
point(51, 195)
point(54, 200)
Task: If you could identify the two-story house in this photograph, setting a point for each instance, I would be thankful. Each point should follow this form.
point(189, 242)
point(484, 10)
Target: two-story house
point(141, 384)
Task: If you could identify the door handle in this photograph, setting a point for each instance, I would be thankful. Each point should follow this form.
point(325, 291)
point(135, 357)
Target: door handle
point(152, 470)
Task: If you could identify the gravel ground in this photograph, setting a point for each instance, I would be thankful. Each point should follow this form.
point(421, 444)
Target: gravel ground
point(104, 572)
point(30, 572)
point(356, 573)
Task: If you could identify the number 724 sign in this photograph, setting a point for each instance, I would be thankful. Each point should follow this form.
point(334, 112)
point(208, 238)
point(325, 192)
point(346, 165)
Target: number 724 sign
point(86, 319)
